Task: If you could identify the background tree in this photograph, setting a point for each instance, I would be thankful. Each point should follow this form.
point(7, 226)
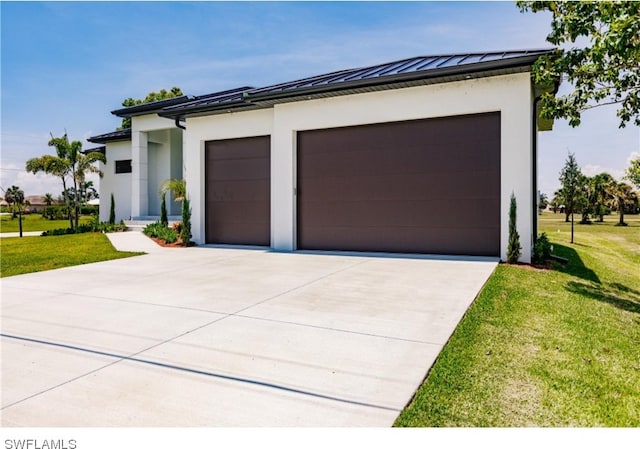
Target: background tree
point(14, 196)
point(543, 202)
point(604, 71)
point(150, 98)
point(632, 173)
point(622, 197)
point(557, 201)
point(571, 179)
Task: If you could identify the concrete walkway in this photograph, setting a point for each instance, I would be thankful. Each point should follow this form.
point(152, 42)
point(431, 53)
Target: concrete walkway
point(17, 234)
point(208, 336)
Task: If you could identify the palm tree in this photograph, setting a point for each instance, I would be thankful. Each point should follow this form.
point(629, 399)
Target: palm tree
point(598, 194)
point(69, 161)
point(56, 166)
point(178, 187)
point(621, 196)
point(48, 199)
point(14, 196)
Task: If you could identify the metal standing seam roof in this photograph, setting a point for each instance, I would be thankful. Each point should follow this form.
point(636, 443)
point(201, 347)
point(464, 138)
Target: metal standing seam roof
point(392, 73)
point(123, 134)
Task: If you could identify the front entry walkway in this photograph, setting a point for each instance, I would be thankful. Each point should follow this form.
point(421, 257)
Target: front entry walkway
point(210, 337)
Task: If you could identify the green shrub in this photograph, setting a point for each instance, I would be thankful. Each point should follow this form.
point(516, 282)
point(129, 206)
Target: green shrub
point(112, 211)
point(541, 249)
point(185, 232)
point(168, 235)
point(163, 210)
point(59, 231)
point(513, 247)
point(153, 229)
point(157, 230)
point(55, 213)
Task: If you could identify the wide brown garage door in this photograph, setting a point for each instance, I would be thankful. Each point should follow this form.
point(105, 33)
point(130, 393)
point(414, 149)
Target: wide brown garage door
point(237, 193)
point(422, 186)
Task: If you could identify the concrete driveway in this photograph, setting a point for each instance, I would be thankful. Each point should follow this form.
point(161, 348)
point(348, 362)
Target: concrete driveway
point(227, 337)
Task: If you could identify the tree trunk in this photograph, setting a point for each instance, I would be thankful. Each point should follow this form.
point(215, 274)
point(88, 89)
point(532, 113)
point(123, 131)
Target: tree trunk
point(76, 195)
point(20, 222)
point(621, 223)
point(66, 202)
point(571, 228)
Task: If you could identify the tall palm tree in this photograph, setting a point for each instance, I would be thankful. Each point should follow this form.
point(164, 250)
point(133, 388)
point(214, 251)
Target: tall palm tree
point(68, 162)
point(56, 166)
point(621, 196)
point(14, 196)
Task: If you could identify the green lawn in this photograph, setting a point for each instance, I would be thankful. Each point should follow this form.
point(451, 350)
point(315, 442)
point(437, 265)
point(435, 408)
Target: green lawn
point(558, 347)
point(29, 254)
point(34, 222)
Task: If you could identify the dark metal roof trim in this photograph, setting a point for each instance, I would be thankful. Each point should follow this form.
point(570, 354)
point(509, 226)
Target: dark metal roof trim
point(230, 98)
point(149, 108)
point(122, 134)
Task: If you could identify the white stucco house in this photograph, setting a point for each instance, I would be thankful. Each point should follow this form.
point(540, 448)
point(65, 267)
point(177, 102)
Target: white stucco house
point(413, 156)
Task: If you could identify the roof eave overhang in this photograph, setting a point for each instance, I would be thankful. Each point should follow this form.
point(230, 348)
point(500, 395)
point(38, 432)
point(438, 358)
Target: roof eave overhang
point(150, 108)
point(208, 109)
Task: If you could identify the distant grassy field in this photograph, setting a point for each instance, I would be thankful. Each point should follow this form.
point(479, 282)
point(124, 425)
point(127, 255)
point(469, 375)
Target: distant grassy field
point(556, 347)
point(30, 254)
point(34, 222)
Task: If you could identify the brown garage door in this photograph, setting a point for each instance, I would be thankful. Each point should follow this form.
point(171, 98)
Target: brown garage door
point(237, 192)
point(422, 186)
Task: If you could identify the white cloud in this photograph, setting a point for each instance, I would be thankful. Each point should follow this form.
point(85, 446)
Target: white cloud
point(592, 170)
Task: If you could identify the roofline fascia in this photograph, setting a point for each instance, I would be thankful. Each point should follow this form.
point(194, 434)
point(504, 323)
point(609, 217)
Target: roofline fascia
point(198, 109)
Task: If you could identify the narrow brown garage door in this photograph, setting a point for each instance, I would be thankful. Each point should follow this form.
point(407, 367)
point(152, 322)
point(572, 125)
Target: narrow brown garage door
point(237, 177)
point(422, 186)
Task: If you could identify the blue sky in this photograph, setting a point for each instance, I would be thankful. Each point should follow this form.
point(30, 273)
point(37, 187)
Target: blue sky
point(67, 65)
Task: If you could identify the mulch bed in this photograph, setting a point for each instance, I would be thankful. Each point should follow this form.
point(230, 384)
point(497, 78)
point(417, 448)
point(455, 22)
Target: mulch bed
point(176, 244)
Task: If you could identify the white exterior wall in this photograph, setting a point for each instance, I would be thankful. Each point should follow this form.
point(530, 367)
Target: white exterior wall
point(118, 184)
point(156, 146)
point(509, 94)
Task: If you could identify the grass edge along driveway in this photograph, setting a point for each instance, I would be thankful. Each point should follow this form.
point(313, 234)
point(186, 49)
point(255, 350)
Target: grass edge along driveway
point(546, 348)
point(31, 254)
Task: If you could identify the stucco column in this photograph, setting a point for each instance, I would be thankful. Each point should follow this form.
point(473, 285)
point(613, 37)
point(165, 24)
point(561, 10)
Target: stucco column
point(139, 174)
point(283, 184)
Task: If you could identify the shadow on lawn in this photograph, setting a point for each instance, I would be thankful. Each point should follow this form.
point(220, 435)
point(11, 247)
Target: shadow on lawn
point(618, 295)
point(575, 267)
